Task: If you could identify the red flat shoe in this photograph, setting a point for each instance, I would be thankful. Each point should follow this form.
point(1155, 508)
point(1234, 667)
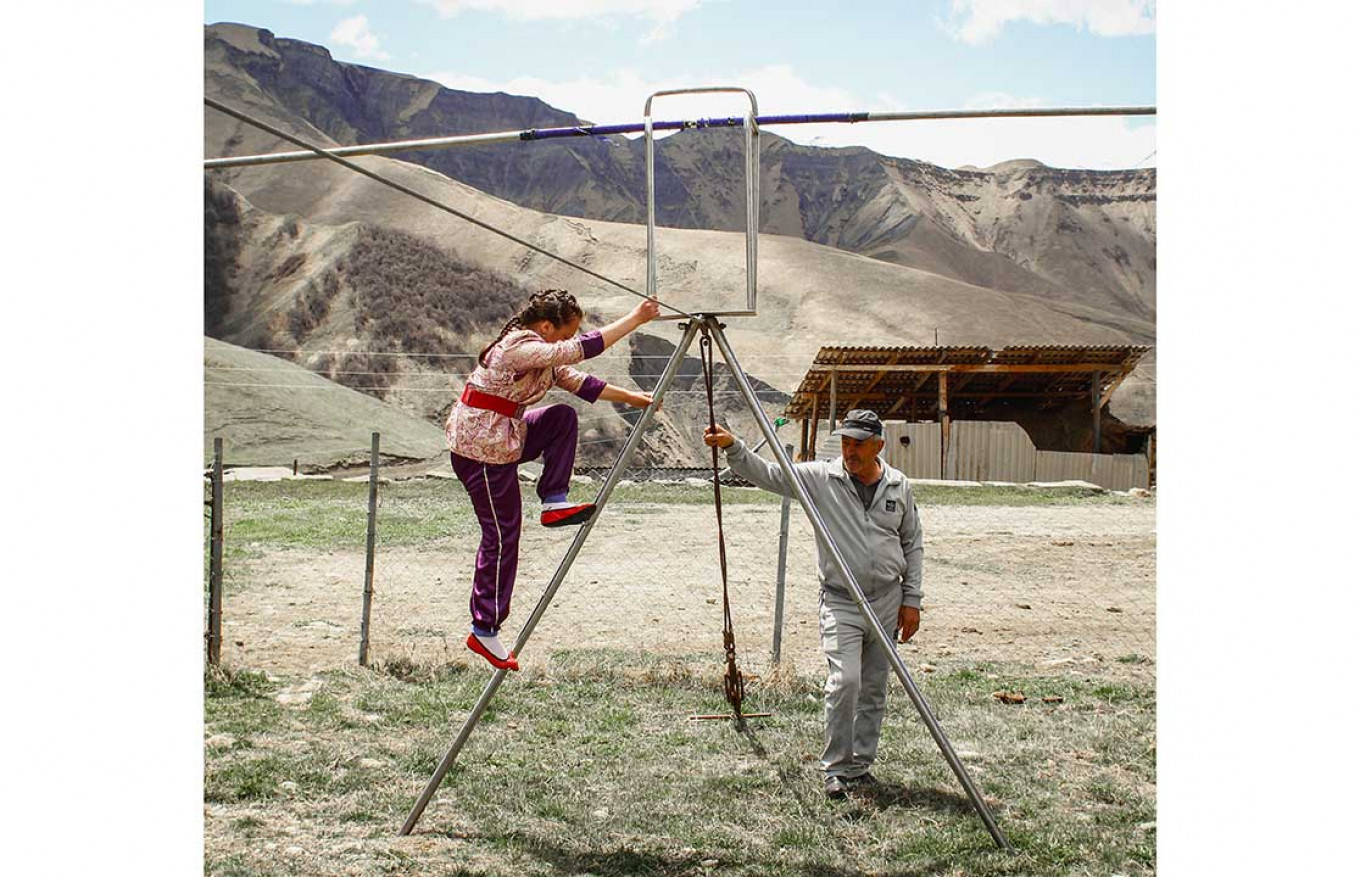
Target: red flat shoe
point(567, 515)
point(499, 663)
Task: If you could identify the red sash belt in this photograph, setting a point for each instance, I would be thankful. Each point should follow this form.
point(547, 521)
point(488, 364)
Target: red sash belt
point(474, 398)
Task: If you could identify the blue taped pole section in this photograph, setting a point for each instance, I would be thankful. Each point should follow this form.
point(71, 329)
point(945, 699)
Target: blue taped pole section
point(827, 118)
point(716, 122)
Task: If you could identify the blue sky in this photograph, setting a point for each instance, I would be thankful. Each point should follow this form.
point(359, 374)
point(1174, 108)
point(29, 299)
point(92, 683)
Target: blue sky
point(601, 58)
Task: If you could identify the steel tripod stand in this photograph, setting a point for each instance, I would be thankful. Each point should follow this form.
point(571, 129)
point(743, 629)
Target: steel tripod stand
point(711, 325)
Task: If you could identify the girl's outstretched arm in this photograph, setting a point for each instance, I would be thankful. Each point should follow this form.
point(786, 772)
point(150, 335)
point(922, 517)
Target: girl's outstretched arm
point(645, 312)
point(611, 393)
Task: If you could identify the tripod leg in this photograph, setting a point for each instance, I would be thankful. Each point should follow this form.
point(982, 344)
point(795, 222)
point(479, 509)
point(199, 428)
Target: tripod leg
point(918, 700)
point(667, 376)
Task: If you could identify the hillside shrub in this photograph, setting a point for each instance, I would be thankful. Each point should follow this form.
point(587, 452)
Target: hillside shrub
point(221, 245)
point(365, 373)
point(312, 305)
point(409, 295)
point(290, 265)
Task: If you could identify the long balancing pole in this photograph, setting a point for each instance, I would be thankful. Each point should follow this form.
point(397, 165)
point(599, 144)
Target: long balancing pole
point(534, 134)
point(819, 525)
point(672, 368)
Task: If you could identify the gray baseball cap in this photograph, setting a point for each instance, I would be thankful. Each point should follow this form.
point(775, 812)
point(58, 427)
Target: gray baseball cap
point(861, 424)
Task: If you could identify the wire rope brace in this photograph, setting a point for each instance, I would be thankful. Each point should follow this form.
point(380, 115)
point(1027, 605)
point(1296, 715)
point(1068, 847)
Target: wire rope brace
point(734, 684)
point(406, 190)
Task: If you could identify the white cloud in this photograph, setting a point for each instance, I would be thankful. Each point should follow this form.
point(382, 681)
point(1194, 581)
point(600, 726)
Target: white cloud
point(978, 21)
point(663, 14)
point(620, 97)
point(1100, 143)
point(531, 10)
point(354, 33)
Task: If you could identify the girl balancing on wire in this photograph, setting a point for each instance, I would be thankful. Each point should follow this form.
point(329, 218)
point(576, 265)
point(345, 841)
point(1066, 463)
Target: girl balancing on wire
point(491, 430)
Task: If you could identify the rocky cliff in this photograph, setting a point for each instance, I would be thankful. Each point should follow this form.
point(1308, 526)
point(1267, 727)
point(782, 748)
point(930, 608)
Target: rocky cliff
point(1073, 235)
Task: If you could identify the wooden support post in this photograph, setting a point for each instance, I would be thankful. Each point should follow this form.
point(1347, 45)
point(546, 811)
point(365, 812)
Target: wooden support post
point(943, 407)
point(1152, 460)
point(831, 415)
point(369, 554)
point(215, 561)
point(916, 388)
point(1095, 411)
point(816, 425)
point(803, 440)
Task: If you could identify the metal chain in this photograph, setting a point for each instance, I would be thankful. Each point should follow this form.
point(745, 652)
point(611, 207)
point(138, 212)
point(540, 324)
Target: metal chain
point(734, 684)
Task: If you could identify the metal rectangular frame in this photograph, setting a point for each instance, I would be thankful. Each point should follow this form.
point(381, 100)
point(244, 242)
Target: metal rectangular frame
point(751, 149)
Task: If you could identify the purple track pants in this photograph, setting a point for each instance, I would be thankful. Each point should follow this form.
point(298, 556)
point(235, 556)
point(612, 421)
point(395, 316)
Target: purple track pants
point(494, 491)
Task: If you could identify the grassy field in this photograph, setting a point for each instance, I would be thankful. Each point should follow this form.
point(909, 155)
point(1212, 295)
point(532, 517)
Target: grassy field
point(333, 514)
point(591, 766)
point(587, 763)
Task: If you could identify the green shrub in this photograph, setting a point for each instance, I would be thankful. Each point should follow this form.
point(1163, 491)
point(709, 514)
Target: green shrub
point(412, 296)
point(221, 227)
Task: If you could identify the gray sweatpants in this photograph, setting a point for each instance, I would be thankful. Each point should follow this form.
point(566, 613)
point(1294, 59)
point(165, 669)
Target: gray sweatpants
point(856, 681)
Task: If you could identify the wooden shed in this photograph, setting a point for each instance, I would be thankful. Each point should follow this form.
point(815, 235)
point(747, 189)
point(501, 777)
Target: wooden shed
point(1058, 394)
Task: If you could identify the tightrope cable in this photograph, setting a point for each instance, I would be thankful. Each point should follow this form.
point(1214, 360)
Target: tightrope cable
point(264, 126)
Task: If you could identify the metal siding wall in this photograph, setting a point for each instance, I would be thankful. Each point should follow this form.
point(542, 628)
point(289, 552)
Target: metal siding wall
point(1062, 466)
point(1111, 471)
point(919, 460)
point(1000, 451)
point(990, 451)
point(1108, 470)
point(1121, 471)
point(1141, 476)
point(1015, 459)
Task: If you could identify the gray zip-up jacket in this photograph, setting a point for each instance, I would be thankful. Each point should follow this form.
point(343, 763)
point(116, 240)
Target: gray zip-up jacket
point(883, 545)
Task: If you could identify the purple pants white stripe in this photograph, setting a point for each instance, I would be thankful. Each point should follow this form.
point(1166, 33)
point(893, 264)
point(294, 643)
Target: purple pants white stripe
point(494, 491)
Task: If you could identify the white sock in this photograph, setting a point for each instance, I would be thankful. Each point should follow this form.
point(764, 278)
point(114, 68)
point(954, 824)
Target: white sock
point(554, 506)
point(493, 645)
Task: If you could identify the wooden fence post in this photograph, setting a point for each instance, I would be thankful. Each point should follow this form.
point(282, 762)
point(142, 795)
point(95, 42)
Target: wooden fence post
point(368, 559)
point(215, 561)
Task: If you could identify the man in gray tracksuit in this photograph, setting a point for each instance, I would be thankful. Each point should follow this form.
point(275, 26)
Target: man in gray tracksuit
point(871, 514)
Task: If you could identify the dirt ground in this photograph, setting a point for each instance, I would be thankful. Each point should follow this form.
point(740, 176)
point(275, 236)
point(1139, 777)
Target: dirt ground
point(1064, 588)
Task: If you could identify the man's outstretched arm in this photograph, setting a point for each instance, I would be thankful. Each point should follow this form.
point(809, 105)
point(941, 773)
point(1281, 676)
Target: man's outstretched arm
point(764, 474)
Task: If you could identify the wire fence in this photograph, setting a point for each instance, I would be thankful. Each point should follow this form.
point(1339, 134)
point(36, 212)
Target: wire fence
point(1037, 600)
point(1060, 585)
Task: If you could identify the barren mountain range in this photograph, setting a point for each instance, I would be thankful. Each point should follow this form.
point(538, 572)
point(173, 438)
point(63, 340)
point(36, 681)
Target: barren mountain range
point(361, 283)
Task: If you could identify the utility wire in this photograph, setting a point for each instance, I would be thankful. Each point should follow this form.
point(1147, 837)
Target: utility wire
point(445, 390)
point(296, 351)
point(431, 374)
point(240, 116)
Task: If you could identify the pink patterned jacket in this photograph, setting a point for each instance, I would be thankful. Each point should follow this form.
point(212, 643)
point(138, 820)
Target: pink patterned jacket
point(521, 367)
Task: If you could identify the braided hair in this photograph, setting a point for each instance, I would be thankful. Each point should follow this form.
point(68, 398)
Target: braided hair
point(557, 306)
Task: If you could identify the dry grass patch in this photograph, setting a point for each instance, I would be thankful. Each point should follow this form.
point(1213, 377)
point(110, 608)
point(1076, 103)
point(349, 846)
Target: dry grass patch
point(588, 764)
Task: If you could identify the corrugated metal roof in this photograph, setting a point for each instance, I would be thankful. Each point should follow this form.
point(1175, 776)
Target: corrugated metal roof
point(902, 383)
